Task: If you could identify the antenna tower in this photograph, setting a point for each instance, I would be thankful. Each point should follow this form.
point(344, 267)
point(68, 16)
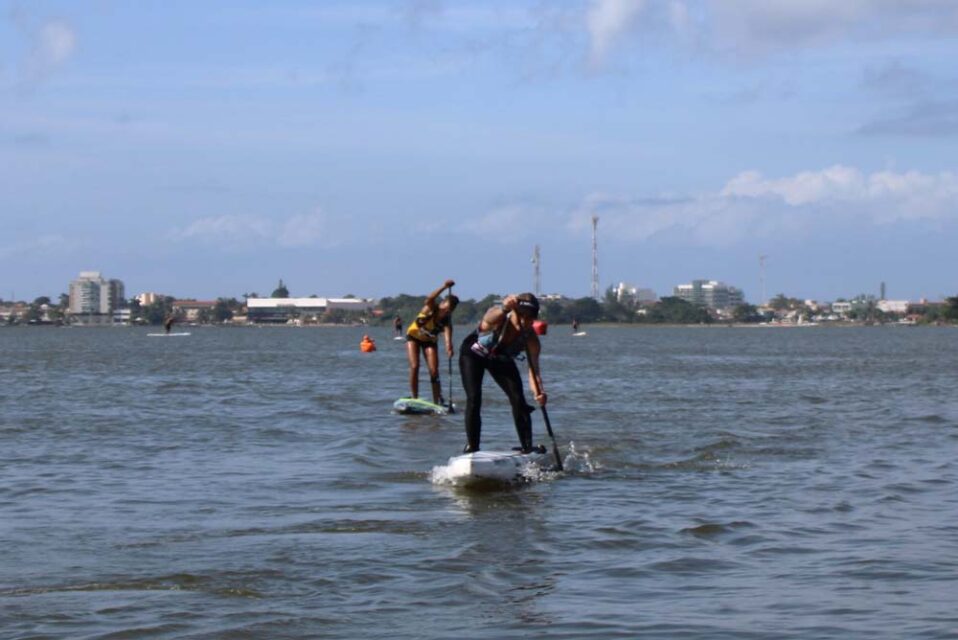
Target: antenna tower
point(536, 277)
point(761, 277)
point(595, 258)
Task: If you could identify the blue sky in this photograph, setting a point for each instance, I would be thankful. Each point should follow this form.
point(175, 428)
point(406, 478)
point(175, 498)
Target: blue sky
point(203, 149)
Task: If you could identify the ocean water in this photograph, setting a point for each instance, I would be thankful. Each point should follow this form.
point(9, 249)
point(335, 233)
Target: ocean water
point(253, 483)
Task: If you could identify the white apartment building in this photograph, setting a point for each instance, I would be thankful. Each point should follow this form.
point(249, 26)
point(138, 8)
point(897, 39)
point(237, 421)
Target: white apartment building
point(95, 298)
point(625, 291)
point(711, 294)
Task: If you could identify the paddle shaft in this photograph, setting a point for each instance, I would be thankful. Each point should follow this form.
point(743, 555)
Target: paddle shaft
point(545, 416)
point(451, 408)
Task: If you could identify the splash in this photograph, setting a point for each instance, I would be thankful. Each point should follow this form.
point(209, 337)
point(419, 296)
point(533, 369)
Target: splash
point(579, 462)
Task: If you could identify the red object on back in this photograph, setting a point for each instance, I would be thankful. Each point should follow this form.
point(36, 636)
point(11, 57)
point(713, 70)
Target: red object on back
point(541, 327)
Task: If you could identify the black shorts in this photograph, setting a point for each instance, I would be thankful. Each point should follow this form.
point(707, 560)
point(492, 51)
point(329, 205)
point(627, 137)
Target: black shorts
point(424, 344)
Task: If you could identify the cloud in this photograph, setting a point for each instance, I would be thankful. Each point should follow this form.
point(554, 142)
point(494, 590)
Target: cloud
point(228, 229)
point(41, 245)
point(896, 79)
point(241, 231)
point(305, 230)
point(924, 119)
point(752, 206)
point(506, 224)
point(607, 21)
point(54, 43)
point(760, 27)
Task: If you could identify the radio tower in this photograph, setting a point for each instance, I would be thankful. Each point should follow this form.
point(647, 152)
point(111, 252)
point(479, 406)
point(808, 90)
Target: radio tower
point(536, 279)
point(761, 277)
point(595, 258)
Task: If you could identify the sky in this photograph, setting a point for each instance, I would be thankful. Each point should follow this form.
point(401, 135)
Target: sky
point(206, 149)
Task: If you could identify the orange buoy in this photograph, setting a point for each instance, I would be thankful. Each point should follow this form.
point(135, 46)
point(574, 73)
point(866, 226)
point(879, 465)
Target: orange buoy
point(368, 345)
point(541, 327)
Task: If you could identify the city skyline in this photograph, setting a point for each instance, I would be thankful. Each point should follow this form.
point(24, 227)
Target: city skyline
point(375, 148)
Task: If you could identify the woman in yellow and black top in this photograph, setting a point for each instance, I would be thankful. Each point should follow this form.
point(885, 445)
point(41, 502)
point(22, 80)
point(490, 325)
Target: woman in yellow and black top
point(423, 334)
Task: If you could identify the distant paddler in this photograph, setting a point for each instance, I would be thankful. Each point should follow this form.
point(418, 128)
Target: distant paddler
point(423, 335)
point(367, 344)
point(168, 323)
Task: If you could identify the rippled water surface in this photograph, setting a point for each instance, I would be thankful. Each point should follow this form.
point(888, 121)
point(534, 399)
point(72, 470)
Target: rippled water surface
point(252, 483)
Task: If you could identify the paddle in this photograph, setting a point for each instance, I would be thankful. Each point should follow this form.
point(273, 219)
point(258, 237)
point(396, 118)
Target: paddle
point(545, 416)
point(452, 409)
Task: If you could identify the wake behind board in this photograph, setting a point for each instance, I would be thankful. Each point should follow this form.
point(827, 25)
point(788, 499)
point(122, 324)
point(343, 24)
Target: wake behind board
point(168, 335)
point(492, 467)
point(418, 406)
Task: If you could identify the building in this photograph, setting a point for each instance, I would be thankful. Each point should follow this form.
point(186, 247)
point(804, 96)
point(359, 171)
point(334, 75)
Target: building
point(148, 298)
point(93, 299)
point(625, 292)
point(893, 306)
point(283, 310)
point(193, 310)
point(842, 308)
point(710, 294)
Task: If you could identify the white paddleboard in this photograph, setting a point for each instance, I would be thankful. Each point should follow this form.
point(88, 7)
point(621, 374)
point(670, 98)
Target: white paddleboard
point(419, 406)
point(398, 338)
point(168, 335)
point(492, 466)
point(579, 333)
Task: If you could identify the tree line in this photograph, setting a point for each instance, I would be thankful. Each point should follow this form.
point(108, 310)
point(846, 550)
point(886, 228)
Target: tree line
point(610, 309)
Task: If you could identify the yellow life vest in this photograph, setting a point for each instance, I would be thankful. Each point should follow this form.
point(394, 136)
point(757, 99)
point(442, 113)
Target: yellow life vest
point(426, 327)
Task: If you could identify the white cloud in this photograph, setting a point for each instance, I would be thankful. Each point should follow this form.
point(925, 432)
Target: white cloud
point(54, 43)
point(753, 206)
point(305, 230)
point(228, 229)
point(506, 224)
point(750, 27)
point(41, 245)
point(607, 21)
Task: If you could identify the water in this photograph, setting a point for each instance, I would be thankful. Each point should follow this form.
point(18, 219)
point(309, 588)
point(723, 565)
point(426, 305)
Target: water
point(252, 483)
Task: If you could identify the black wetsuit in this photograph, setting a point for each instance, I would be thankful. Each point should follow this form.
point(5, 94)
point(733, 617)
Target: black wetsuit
point(501, 364)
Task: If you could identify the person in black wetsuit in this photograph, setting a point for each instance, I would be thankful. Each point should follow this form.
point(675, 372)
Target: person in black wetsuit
point(168, 324)
point(503, 333)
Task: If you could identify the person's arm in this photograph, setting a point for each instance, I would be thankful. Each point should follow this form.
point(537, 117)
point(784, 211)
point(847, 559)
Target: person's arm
point(447, 334)
point(431, 298)
point(535, 373)
point(492, 319)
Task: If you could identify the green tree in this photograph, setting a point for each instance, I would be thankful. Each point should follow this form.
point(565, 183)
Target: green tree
point(746, 313)
point(280, 291)
point(950, 310)
point(157, 312)
point(224, 309)
point(585, 310)
point(673, 310)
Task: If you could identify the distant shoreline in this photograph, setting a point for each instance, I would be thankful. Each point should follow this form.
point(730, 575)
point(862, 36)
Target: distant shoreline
point(555, 329)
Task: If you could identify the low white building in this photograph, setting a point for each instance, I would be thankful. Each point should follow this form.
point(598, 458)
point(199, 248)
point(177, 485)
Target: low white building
point(893, 306)
point(280, 310)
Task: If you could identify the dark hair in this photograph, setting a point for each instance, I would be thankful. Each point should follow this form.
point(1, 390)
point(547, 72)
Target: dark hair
point(453, 301)
point(528, 303)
